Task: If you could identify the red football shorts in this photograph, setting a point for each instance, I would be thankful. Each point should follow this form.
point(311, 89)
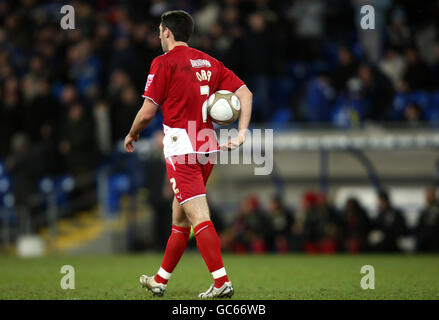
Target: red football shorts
point(188, 174)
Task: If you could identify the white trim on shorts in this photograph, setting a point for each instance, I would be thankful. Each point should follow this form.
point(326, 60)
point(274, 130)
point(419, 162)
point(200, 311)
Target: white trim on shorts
point(172, 163)
point(198, 195)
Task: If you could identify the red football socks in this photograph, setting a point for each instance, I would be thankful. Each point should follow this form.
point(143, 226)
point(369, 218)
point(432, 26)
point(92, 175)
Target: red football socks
point(209, 245)
point(174, 250)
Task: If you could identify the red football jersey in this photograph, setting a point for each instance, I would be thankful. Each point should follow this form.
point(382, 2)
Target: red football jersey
point(180, 81)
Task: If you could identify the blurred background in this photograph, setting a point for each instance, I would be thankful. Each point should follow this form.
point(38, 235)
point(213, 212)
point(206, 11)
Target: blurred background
point(355, 115)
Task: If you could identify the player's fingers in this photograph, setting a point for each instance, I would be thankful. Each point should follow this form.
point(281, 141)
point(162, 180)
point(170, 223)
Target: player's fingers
point(129, 147)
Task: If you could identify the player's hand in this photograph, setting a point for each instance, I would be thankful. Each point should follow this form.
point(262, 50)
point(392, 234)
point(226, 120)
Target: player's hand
point(128, 144)
point(233, 143)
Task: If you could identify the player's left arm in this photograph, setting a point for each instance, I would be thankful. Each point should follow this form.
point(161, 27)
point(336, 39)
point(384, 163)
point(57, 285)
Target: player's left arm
point(142, 120)
point(246, 98)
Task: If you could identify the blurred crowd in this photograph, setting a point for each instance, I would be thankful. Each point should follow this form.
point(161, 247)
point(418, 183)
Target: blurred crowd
point(318, 227)
point(305, 60)
point(68, 96)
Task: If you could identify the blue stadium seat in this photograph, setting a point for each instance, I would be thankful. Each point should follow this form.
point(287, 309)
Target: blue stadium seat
point(2, 169)
point(46, 185)
point(7, 212)
point(349, 111)
point(421, 98)
point(280, 91)
point(400, 102)
point(433, 110)
point(57, 88)
point(61, 186)
point(357, 51)
point(316, 67)
point(155, 124)
point(118, 185)
point(298, 72)
point(64, 185)
point(330, 54)
point(340, 117)
point(5, 185)
point(282, 118)
point(318, 102)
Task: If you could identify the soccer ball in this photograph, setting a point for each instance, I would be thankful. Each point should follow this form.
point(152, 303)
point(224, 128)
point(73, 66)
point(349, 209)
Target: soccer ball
point(223, 107)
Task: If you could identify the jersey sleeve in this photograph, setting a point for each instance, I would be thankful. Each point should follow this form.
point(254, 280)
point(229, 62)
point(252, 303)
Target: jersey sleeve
point(155, 87)
point(228, 80)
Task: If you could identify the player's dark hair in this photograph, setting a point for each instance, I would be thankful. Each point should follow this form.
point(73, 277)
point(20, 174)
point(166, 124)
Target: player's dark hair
point(180, 23)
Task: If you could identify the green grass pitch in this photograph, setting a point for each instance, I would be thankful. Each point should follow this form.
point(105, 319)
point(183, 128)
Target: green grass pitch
point(254, 277)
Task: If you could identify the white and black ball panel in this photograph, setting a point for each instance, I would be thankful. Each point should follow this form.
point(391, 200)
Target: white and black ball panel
point(221, 110)
point(223, 107)
point(235, 102)
point(211, 99)
point(224, 92)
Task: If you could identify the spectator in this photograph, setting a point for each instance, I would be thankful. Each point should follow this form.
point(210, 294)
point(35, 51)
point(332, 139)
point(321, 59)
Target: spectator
point(160, 194)
point(251, 231)
point(282, 220)
point(435, 68)
point(84, 69)
point(102, 119)
point(119, 79)
point(413, 115)
point(124, 58)
point(347, 68)
point(67, 96)
point(45, 153)
point(319, 225)
point(427, 231)
point(417, 74)
point(319, 99)
point(54, 83)
point(308, 19)
point(258, 63)
point(20, 165)
point(356, 226)
point(77, 140)
point(39, 107)
point(377, 90)
point(398, 33)
point(325, 204)
point(393, 66)
point(388, 227)
point(10, 120)
point(123, 112)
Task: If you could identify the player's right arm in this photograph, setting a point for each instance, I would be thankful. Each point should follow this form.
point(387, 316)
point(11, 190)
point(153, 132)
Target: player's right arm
point(229, 81)
point(246, 98)
point(142, 120)
point(154, 94)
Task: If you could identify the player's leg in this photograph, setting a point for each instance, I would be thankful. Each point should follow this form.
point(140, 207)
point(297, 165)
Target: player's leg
point(208, 243)
point(179, 216)
point(176, 245)
point(174, 250)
